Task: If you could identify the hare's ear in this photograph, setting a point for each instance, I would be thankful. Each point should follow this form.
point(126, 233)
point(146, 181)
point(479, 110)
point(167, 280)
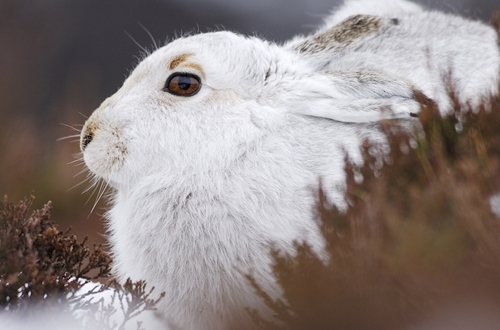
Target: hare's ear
point(349, 96)
point(340, 36)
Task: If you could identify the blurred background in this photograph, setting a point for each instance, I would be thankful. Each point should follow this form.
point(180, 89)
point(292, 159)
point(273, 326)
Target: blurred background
point(60, 59)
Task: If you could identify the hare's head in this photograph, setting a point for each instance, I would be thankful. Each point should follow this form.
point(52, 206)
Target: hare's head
point(202, 102)
point(183, 104)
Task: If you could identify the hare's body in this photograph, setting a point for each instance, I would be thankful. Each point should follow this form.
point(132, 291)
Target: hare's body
point(196, 235)
point(216, 143)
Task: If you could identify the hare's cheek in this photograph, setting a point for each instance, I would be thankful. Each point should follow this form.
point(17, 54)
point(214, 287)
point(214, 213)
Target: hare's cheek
point(104, 152)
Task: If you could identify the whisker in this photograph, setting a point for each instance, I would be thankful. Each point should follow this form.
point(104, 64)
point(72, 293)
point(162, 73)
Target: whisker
point(102, 190)
point(70, 126)
point(78, 161)
point(137, 44)
point(78, 184)
point(69, 137)
point(86, 117)
point(150, 35)
point(92, 185)
point(81, 172)
point(88, 199)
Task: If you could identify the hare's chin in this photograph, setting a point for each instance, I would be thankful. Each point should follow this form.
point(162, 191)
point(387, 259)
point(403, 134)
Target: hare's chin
point(110, 180)
point(105, 170)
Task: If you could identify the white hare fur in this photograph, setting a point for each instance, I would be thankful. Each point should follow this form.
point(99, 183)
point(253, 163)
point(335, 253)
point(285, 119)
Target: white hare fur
point(205, 185)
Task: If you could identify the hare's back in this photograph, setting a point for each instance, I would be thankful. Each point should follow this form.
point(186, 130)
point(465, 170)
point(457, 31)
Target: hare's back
point(435, 52)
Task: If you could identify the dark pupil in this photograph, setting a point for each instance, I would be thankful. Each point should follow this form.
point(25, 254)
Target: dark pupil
point(184, 82)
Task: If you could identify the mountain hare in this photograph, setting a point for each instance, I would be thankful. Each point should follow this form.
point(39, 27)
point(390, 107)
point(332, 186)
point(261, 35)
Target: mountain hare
point(215, 144)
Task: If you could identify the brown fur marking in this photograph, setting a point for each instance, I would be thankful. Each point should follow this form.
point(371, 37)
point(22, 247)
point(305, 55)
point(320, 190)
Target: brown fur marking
point(181, 59)
point(178, 60)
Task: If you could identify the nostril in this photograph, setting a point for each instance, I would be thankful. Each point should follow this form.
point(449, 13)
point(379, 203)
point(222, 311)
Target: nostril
point(87, 138)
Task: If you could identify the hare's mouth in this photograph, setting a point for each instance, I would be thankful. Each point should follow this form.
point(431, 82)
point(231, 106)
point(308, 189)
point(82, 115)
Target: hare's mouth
point(105, 160)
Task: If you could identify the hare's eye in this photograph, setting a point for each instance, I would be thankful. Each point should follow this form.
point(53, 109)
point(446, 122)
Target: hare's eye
point(182, 84)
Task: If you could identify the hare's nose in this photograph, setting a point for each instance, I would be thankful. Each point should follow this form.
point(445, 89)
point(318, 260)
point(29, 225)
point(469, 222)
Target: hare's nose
point(86, 139)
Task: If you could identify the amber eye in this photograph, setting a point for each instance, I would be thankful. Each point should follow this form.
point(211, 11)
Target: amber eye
point(182, 84)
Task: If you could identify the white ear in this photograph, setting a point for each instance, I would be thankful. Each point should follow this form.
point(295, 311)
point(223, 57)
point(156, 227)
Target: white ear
point(349, 96)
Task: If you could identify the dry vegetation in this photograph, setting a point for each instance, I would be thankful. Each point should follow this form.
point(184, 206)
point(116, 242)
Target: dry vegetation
point(39, 261)
point(42, 269)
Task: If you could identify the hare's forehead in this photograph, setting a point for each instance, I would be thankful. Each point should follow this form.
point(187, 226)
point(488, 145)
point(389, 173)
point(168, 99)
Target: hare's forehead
point(220, 50)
